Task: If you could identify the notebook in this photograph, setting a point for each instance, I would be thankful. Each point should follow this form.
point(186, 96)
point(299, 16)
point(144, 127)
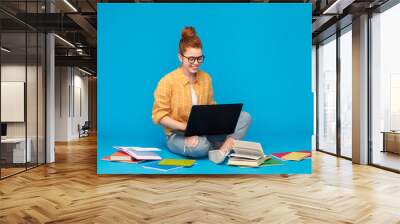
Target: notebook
point(177, 162)
point(281, 154)
point(272, 162)
point(295, 156)
point(156, 166)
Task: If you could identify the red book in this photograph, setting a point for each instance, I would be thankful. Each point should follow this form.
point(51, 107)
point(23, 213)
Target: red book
point(119, 155)
point(107, 158)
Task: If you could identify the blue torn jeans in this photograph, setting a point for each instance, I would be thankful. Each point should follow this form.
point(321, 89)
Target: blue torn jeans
point(176, 141)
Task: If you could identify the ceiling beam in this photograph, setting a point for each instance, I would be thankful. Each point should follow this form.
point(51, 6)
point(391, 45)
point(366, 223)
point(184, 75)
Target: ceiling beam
point(86, 26)
point(82, 61)
point(337, 6)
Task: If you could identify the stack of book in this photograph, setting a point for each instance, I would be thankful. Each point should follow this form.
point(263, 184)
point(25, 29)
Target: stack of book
point(247, 154)
point(133, 154)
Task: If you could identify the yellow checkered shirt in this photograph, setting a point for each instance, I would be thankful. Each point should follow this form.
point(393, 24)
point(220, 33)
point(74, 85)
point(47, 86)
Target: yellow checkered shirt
point(173, 98)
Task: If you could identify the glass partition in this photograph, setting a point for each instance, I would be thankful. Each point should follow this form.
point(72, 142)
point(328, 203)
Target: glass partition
point(14, 153)
point(22, 77)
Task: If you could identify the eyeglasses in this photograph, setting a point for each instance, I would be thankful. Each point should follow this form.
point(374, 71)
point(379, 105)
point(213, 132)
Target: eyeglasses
point(191, 60)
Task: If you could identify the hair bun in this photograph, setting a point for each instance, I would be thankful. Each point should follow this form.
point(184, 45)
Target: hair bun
point(188, 32)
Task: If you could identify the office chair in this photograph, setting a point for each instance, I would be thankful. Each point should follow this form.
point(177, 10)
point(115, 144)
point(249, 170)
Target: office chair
point(84, 130)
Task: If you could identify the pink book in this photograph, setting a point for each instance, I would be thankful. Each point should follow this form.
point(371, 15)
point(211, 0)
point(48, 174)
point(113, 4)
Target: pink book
point(107, 158)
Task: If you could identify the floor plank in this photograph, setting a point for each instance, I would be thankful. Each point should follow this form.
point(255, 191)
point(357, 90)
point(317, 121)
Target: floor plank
point(70, 191)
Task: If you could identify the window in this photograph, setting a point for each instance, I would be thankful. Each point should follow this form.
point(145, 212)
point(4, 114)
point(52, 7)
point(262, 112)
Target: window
point(346, 92)
point(327, 95)
point(385, 88)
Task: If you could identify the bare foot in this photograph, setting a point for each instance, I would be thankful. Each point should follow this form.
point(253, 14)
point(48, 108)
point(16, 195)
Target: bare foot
point(219, 155)
point(228, 144)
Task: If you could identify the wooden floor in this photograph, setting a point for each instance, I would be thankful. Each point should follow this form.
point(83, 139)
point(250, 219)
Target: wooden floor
point(70, 191)
point(386, 159)
point(5, 172)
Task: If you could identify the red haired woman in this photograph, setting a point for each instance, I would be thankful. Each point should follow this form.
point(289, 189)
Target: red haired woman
point(174, 96)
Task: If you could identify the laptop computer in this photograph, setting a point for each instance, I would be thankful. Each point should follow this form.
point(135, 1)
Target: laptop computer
point(214, 119)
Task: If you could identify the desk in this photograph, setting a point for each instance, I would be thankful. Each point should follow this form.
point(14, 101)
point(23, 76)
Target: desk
point(17, 151)
point(391, 141)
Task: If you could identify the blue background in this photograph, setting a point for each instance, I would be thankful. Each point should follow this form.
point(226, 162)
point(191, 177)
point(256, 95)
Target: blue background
point(257, 54)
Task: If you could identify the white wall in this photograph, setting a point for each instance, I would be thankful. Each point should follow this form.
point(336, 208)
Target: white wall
point(80, 89)
point(71, 87)
point(10, 73)
point(15, 72)
point(34, 125)
point(61, 103)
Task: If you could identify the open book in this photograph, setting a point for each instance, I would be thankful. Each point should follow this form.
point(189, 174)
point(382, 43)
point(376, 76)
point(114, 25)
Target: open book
point(139, 149)
point(140, 154)
point(247, 154)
